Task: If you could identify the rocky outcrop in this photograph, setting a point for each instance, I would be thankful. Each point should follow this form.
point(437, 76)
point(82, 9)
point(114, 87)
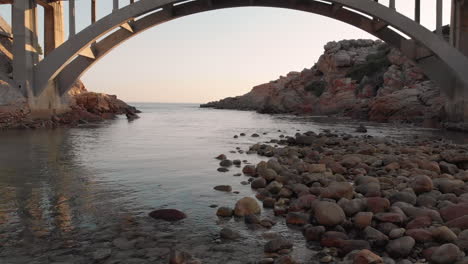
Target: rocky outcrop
point(363, 79)
point(84, 107)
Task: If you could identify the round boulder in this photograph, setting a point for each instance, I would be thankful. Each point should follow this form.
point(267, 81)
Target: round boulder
point(246, 206)
point(329, 214)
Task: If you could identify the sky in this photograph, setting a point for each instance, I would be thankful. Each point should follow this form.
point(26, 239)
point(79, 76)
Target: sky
point(216, 54)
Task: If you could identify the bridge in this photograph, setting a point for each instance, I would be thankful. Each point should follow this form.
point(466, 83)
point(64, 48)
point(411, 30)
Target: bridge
point(45, 79)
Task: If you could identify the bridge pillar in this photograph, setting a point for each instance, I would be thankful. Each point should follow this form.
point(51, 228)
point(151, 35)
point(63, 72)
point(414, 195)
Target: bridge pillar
point(457, 104)
point(25, 44)
point(26, 53)
point(54, 34)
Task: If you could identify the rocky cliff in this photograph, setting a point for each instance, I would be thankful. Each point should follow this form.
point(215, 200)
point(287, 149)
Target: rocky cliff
point(85, 107)
point(362, 79)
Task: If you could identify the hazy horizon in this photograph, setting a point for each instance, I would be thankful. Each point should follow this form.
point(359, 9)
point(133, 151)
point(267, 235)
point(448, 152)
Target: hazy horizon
point(216, 54)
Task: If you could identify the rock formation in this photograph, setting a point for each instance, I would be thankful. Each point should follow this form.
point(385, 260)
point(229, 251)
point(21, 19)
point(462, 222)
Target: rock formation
point(362, 79)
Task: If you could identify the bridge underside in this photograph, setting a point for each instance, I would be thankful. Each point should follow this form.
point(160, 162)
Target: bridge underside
point(66, 62)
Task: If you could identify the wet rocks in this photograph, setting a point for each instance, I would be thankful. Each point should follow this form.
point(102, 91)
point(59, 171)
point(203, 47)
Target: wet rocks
point(277, 244)
point(366, 256)
point(168, 215)
point(223, 188)
point(328, 213)
point(246, 206)
point(229, 234)
point(249, 170)
point(295, 218)
point(225, 212)
point(225, 163)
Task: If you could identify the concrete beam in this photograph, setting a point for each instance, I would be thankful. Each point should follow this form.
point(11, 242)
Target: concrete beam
point(71, 18)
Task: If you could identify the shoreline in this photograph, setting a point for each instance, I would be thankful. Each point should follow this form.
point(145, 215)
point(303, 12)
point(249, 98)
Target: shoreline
point(368, 198)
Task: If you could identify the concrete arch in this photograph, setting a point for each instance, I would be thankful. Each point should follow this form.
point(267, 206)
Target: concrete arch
point(63, 66)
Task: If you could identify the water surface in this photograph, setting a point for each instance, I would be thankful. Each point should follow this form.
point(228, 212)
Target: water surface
point(66, 192)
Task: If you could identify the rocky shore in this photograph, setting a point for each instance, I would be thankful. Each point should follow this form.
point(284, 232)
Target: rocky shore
point(357, 199)
point(362, 79)
point(85, 107)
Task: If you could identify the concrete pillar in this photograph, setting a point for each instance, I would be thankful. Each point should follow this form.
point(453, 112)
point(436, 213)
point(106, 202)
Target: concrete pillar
point(457, 104)
point(71, 18)
point(93, 11)
point(25, 44)
point(116, 5)
point(439, 13)
point(417, 11)
point(54, 33)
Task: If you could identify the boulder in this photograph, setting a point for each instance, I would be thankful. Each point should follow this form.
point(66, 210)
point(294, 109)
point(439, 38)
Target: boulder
point(246, 206)
point(328, 213)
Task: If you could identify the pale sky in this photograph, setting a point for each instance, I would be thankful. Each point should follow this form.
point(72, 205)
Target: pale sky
point(212, 55)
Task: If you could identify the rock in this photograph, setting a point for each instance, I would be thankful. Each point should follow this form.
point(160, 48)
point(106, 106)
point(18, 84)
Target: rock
point(337, 190)
point(225, 163)
point(223, 188)
point(255, 135)
point(421, 184)
point(390, 217)
point(361, 129)
point(406, 197)
point(246, 206)
point(351, 207)
point(101, 254)
point(294, 218)
point(251, 219)
point(419, 222)
point(451, 212)
point(269, 202)
point(363, 219)
point(317, 168)
point(460, 222)
point(401, 247)
point(420, 235)
point(444, 234)
point(277, 244)
point(313, 233)
point(329, 214)
point(168, 215)
point(377, 204)
point(123, 243)
point(225, 212)
point(449, 168)
point(347, 246)
point(446, 254)
point(268, 174)
point(454, 156)
point(222, 169)
point(249, 170)
point(274, 187)
point(375, 237)
point(258, 183)
point(397, 233)
point(221, 157)
point(366, 256)
point(229, 234)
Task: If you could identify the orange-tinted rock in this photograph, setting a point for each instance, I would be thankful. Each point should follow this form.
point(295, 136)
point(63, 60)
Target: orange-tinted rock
point(366, 256)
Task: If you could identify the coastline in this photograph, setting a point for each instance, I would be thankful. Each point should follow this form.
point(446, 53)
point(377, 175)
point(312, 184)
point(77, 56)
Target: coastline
point(356, 199)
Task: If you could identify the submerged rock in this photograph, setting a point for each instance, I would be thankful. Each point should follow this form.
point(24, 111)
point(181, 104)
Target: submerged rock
point(168, 215)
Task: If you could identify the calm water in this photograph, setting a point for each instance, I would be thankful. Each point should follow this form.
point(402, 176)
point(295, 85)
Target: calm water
point(68, 185)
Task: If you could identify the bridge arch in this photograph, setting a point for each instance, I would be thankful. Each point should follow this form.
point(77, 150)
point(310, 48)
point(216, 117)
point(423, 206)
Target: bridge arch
point(63, 66)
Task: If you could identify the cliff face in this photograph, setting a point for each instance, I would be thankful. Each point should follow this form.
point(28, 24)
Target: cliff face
point(363, 79)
